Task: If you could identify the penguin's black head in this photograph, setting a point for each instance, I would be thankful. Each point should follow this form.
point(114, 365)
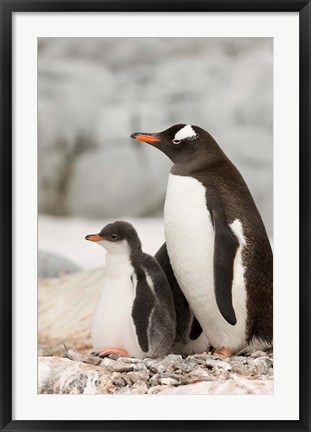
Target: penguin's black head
point(117, 237)
point(181, 143)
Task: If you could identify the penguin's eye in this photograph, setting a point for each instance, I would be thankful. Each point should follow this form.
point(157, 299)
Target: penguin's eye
point(114, 236)
point(176, 141)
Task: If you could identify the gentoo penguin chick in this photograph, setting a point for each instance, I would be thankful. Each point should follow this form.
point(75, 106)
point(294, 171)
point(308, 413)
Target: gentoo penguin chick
point(189, 336)
point(216, 241)
point(135, 315)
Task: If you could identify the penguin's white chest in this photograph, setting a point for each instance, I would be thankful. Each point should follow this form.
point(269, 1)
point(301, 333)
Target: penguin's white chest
point(190, 241)
point(113, 324)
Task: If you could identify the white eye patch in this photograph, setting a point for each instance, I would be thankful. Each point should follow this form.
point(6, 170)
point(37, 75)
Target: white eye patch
point(185, 132)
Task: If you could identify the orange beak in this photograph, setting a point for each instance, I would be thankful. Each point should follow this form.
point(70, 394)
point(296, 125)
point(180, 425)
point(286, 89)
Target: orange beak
point(148, 138)
point(94, 237)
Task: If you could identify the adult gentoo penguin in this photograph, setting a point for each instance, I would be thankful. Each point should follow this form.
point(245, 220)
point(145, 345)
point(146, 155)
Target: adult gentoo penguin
point(216, 241)
point(135, 315)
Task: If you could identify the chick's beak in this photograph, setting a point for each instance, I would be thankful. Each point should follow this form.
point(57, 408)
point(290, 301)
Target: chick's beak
point(145, 137)
point(94, 237)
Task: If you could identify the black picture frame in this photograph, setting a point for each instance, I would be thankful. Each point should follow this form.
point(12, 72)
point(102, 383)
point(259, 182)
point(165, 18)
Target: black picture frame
point(8, 7)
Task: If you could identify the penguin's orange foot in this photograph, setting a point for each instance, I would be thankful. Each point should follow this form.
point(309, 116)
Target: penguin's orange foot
point(107, 351)
point(223, 352)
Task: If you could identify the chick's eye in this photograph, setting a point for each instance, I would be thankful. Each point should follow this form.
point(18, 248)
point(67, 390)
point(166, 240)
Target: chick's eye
point(176, 141)
point(114, 236)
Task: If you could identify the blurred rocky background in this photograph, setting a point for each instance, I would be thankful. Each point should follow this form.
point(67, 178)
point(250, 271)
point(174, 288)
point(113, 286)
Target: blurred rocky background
point(94, 92)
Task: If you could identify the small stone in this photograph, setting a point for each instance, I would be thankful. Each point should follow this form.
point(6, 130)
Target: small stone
point(167, 364)
point(140, 387)
point(149, 362)
point(195, 360)
point(132, 360)
point(157, 367)
point(261, 366)
point(171, 375)
point(119, 382)
point(210, 363)
point(169, 381)
point(240, 368)
point(221, 374)
point(171, 359)
point(113, 356)
point(141, 375)
point(126, 379)
point(117, 366)
point(269, 361)
point(202, 356)
point(139, 366)
point(238, 358)
point(188, 366)
point(85, 358)
point(171, 362)
point(154, 380)
point(199, 373)
point(257, 354)
point(74, 355)
point(156, 389)
point(105, 362)
point(124, 390)
point(93, 360)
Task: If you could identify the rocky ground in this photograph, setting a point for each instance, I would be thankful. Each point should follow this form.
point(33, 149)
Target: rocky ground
point(77, 373)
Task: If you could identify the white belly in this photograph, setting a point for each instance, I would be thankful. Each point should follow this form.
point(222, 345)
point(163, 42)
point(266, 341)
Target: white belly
point(190, 242)
point(113, 325)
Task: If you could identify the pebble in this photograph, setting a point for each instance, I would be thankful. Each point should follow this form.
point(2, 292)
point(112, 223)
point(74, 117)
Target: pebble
point(188, 365)
point(119, 382)
point(140, 375)
point(126, 379)
point(240, 368)
point(210, 363)
point(139, 366)
point(138, 388)
point(154, 380)
point(200, 373)
point(85, 358)
point(155, 389)
point(169, 381)
point(117, 366)
point(269, 361)
point(157, 367)
point(261, 366)
point(74, 355)
point(257, 354)
point(131, 360)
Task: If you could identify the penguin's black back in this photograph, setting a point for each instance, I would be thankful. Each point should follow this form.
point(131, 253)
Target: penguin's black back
point(156, 302)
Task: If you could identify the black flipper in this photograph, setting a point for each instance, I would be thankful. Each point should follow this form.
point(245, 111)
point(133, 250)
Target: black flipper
point(142, 307)
point(225, 248)
point(226, 245)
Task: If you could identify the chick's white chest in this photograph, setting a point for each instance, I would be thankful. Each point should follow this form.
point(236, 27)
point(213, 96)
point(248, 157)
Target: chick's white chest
point(113, 325)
